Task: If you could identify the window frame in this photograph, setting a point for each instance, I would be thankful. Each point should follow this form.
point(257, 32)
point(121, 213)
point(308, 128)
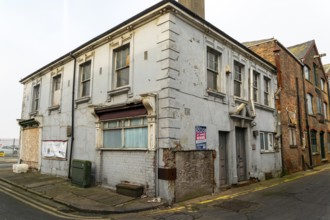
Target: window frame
point(292, 137)
point(319, 105)
point(328, 135)
point(35, 98)
point(120, 66)
point(307, 73)
point(323, 85)
point(124, 124)
point(213, 69)
point(256, 85)
point(325, 110)
point(82, 81)
point(316, 81)
point(309, 98)
point(269, 138)
point(56, 88)
point(313, 141)
point(239, 70)
point(267, 91)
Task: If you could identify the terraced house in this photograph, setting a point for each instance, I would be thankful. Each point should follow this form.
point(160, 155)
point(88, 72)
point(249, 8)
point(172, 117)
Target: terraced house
point(290, 100)
point(181, 112)
point(317, 101)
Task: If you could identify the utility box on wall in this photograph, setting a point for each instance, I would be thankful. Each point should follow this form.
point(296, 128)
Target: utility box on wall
point(81, 173)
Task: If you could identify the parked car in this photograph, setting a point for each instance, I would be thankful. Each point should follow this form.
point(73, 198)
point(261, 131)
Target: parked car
point(9, 151)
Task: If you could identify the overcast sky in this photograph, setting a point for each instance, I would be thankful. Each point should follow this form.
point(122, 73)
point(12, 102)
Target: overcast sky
point(35, 32)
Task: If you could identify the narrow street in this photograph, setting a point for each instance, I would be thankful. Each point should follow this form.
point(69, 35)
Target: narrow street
point(304, 198)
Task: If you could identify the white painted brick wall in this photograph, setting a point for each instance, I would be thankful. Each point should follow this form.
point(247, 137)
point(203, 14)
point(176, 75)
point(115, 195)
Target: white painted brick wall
point(137, 167)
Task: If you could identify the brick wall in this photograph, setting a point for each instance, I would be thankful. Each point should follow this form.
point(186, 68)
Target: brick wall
point(137, 167)
point(315, 120)
point(290, 96)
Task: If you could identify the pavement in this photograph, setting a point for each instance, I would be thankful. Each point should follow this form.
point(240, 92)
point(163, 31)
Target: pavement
point(97, 199)
point(94, 199)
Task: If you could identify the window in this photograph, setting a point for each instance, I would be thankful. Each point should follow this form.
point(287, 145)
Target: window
point(238, 78)
point(322, 84)
point(319, 105)
point(307, 73)
point(122, 62)
point(266, 141)
point(255, 86)
point(266, 91)
point(36, 98)
point(315, 74)
point(313, 141)
point(56, 91)
point(213, 58)
point(328, 142)
point(85, 78)
point(325, 110)
point(309, 104)
point(126, 133)
point(292, 137)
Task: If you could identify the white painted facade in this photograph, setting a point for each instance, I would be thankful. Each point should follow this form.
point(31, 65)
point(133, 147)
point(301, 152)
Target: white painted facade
point(168, 76)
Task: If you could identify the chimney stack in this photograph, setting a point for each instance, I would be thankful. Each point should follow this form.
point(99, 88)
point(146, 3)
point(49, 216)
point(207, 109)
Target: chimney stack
point(196, 6)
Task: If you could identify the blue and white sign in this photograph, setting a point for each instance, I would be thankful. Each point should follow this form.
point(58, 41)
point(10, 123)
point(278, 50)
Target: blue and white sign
point(200, 132)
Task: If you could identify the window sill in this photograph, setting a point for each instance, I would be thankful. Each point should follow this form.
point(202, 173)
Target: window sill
point(240, 100)
point(118, 91)
point(315, 153)
point(123, 149)
point(268, 152)
point(34, 113)
point(265, 107)
point(215, 93)
point(53, 108)
point(82, 100)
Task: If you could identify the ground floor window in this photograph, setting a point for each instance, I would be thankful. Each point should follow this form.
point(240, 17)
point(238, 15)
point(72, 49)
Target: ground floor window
point(313, 141)
point(266, 141)
point(328, 142)
point(131, 133)
point(292, 137)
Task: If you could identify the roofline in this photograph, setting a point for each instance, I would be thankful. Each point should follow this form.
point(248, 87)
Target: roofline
point(135, 17)
point(285, 48)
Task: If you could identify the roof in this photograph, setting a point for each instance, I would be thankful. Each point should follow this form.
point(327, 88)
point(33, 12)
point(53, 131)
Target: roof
point(300, 50)
point(256, 42)
point(326, 68)
point(140, 15)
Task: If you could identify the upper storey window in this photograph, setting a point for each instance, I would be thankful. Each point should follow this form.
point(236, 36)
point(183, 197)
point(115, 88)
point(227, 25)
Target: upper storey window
point(122, 63)
point(307, 73)
point(213, 64)
point(85, 78)
point(238, 78)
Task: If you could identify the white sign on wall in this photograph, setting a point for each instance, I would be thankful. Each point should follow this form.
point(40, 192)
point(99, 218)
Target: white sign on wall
point(54, 149)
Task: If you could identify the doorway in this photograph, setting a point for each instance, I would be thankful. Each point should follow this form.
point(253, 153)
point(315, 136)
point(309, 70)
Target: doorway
point(322, 145)
point(241, 154)
point(223, 136)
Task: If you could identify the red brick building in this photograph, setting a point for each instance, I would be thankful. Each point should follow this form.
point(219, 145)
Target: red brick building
point(317, 101)
point(290, 102)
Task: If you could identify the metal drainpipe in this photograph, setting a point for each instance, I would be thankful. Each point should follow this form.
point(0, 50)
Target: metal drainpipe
point(306, 118)
point(157, 147)
point(278, 101)
point(72, 113)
